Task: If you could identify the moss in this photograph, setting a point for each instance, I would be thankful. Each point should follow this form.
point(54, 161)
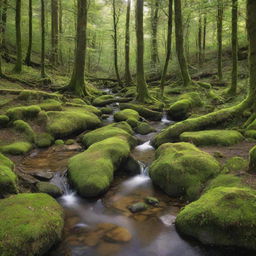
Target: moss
point(83, 108)
point(24, 112)
point(250, 134)
point(42, 118)
point(252, 125)
point(144, 128)
point(224, 216)
point(212, 137)
point(70, 142)
point(252, 159)
point(24, 128)
point(143, 111)
point(131, 116)
point(104, 100)
point(51, 105)
point(4, 120)
point(91, 172)
point(64, 123)
point(78, 101)
point(204, 85)
point(38, 95)
point(181, 169)
point(43, 140)
point(8, 179)
point(236, 164)
point(33, 224)
point(124, 126)
point(49, 188)
point(107, 132)
point(16, 148)
point(106, 110)
point(59, 142)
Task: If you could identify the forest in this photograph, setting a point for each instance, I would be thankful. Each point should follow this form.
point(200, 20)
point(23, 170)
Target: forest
point(127, 128)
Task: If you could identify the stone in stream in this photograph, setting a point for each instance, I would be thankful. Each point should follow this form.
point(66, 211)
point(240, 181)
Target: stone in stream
point(49, 188)
point(152, 201)
point(138, 207)
point(118, 235)
point(131, 166)
point(42, 175)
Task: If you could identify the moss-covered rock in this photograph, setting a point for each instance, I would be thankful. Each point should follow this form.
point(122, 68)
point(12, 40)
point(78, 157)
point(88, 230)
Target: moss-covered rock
point(4, 120)
point(106, 110)
point(51, 105)
point(38, 95)
point(104, 100)
point(252, 160)
point(59, 142)
point(24, 112)
point(250, 134)
point(144, 128)
point(43, 140)
point(107, 132)
point(8, 179)
point(143, 111)
point(32, 224)
point(224, 216)
point(82, 108)
point(212, 137)
point(70, 142)
point(123, 125)
point(16, 148)
point(49, 188)
point(138, 207)
point(236, 164)
point(24, 128)
point(129, 115)
point(91, 172)
point(64, 123)
point(181, 169)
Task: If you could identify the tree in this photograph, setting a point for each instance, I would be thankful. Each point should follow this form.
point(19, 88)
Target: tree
point(43, 74)
point(204, 36)
point(77, 83)
point(142, 88)
point(4, 21)
point(54, 31)
point(1, 38)
point(219, 37)
point(128, 76)
point(18, 65)
point(180, 44)
point(30, 34)
point(169, 46)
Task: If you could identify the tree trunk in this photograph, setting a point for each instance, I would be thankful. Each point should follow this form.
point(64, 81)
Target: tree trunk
point(54, 31)
point(18, 65)
point(77, 83)
point(169, 47)
point(1, 37)
point(180, 44)
point(154, 30)
point(200, 40)
point(30, 34)
point(204, 36)
point(128, 77)
point(219, 38)
point(233, 87)
point(142, 88)
point(115, 23)
point(43, 74)
point(60, 33)
point(4, 22)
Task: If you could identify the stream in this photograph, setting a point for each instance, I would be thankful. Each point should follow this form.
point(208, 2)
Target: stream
point(89, 221)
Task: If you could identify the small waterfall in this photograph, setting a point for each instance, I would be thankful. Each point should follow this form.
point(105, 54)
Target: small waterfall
point(145, 146)
point(165, 119)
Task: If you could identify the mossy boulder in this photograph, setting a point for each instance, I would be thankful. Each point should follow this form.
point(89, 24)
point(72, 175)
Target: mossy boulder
point(236, 164)
point(49, 188)
point(91, 172)
point(138, 207)
point(143, 111)
point(123, 125)
point(4, 120)
point(51, 105)
point(16, 148)
point(8, 179)
point(82, 109)
point(25, 129)
point(70, 142)
point(43, 140)
point(224, 216)
point(144, 128)
point(32, 224)
point(59, 142)
point(106, 110)
point(38, 95)
point(104, 100)
point(181, 169)
point(212, 137)
point(252, 159)
point(107, 132)
point(129, 115)
point(64, 123)
point(23, 112)
point(250, 134)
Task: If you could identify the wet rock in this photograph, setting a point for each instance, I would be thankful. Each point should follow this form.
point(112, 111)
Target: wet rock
point(59, 142)
point(118, 235)
point(70, 142)
point(144, 128)
point(131, 166)
point(152, 201)
point(44, 176)
point(50, 189)
point(138, 207)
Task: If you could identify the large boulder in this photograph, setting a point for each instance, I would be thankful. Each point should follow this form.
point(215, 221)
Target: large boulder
point(129, 115)
point(181, 169)
point(16, 148)
point(32, 224)
point(224, 216)
point(212, 137)
point(23, 112)
point(91, 172)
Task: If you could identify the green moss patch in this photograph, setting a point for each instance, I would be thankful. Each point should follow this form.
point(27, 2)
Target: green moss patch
point(38, 95)
point(181, 169)
point(25, 129)
point(252, 160)
point(16, 148)
point(49, 188)
point(4, 120)
point(32, 224)
point(51, 105)
point(236, 164)
point(43, 140)
point(24, 112)
point(144, 128)
point(131, 116)
point(82, 108)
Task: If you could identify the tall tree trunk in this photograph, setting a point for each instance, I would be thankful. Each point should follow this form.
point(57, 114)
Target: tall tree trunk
point(30, 34)
point(154, 30)
point(233, 87)
point(128, 77)
point(142, 88)
point(169, 47)
point(60, 33)
point(43, 74)
point(4, 22)
point(219, 38)
point(204, 36)
point(200, 40)
point(115, 23)
point(77, 83)
point(180, 44)
point(18, 65)
point(1, 37)
point(54, 31)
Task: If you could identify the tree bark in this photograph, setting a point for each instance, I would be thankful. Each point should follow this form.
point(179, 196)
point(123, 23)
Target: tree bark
point(142, 88)
point(30, 34)
point(219, 37)
point(1, 37)
point(43, 74)
point(77, 83)
point(18, 65)
point(200, 40)
point(128, 76)
point(4, 22)
point(180, 44)
point(54, 31)
point(169, 47)
point(204, 36)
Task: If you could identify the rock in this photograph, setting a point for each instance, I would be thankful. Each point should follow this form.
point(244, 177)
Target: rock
point(131, 166)
point(70, 142)
point(118, 235)
point(4, 120)
point(23, 112)
point(129, 115)
point(51, 105)
point(152, 201)
point(25, 129)
point(252, 160)
point(43, 140)
point(16, 148)
point(212, 137)
point(59, 142)
point(144, 128)
point(181, 169)
point(138, 207)
point(236, 164)
point(41, 175)
point(91, 172)
point(32, 224)
point(221, 217)
point(104, 100)
point(106, 110)
point(49, 188)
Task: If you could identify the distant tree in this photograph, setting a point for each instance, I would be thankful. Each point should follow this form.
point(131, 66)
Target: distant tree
point(1, 37)
point(54, 31)
point(220, 9)
point(30, 33)
point(43, 74)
